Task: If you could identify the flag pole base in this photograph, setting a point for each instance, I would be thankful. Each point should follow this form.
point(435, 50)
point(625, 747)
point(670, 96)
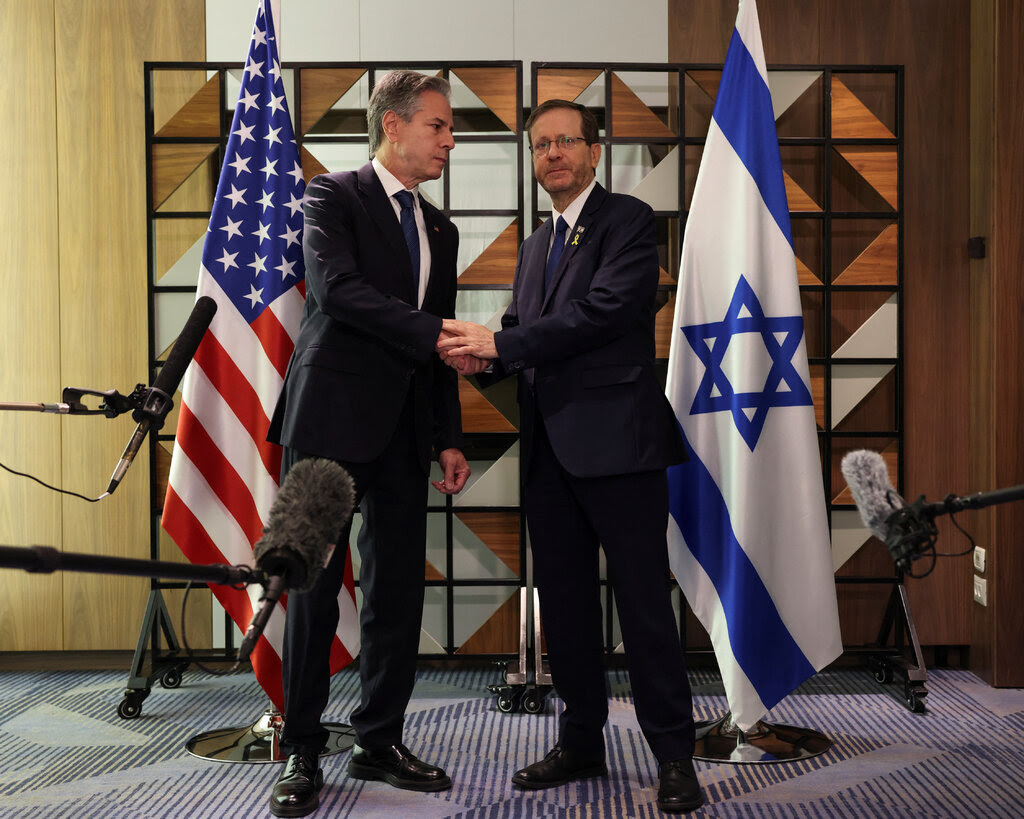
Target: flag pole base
point(261, 741)
point(722, 741)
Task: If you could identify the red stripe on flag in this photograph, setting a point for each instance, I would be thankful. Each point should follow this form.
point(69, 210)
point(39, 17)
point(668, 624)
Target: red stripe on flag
point(219, 472)
point(239, 394)
point(340, 656)
point(194, 541)
point(276, 342)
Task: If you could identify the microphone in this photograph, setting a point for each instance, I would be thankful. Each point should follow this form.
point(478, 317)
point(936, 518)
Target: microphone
point(904, 528)
point(868, 478)
point(158, 400)
point(315, 502)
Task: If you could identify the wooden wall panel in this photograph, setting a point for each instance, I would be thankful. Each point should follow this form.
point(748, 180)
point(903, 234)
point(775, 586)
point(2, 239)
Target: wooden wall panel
point(100, 48)
point(30, 605)
point(911, 33)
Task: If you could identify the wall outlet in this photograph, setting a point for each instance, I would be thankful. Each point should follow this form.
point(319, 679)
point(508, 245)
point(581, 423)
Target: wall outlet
point(980, 590)
point(979, 560)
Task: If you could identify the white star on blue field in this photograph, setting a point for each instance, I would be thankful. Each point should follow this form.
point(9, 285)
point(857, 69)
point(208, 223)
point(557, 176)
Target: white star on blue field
point(783, 386)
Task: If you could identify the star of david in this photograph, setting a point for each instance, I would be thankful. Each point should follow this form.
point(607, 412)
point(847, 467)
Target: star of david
point(783, 386)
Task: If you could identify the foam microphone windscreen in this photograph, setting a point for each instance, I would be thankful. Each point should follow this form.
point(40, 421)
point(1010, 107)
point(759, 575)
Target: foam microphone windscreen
point(314, 503)
point(876, 498)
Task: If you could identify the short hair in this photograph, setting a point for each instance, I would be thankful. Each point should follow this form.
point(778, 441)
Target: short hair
point(590, 133)
point(399, 91)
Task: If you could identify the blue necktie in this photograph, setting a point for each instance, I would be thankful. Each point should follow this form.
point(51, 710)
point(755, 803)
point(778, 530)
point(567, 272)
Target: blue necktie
point(556, 251)
point(412, 234)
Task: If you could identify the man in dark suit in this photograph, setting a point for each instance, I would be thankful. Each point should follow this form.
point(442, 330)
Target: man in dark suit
point(597, 437)
point(366, 388)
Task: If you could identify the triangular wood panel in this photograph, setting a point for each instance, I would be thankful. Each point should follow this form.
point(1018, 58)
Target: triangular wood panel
point(877, 165)
point(496, 87)
point(500, 632)
point(199, 117)
point(891, 457)
point(311, 166)
point(479, 414)
point(707, 81)
point(851, 118)
point(497, 263)
point(664, 277)
point(876, 264)
point(818, 397)
point(630, 115)
point(798, 198)
point(431, 572)
point(664, 326)
point(321, 88)
point(564, 83)
point(172, 165)
point(804, 274)
point(499, 532)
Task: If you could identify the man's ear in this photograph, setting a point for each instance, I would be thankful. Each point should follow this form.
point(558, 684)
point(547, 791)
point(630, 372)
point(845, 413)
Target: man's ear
point(595, 154)
point(389, 124)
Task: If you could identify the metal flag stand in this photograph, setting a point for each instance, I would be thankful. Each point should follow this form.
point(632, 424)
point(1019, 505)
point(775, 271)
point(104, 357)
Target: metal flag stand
point(723, 741)
point(261, 741)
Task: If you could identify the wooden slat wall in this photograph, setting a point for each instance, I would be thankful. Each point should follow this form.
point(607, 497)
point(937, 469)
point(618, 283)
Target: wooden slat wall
point(997, 296)
point(30, 605)
point(936, 276)
point(74, 304)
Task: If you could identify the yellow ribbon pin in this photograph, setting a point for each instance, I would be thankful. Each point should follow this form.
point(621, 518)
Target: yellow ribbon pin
point(575, 240)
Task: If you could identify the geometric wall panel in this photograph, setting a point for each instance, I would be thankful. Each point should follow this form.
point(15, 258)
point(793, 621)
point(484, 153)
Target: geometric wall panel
point(564, 83)
point(877, 165)
point(631, 117)
point(851, 118)
point(496, 87)
point(876, 337)
point(876, 264)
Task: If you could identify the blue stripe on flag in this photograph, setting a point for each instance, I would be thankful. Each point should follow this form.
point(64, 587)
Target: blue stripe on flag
point(743, 111)
point(761, 643)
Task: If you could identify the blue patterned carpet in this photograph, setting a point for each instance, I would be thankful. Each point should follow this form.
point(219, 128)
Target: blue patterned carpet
point(64, 752)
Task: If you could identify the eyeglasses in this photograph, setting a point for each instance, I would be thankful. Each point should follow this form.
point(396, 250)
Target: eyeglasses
point(563, 143)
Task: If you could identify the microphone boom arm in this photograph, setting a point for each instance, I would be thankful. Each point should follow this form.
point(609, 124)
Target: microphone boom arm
point(46, 560)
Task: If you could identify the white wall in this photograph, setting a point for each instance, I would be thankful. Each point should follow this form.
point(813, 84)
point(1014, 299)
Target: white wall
point(527, 30)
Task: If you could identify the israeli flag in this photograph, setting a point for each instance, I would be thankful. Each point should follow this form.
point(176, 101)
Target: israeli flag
point(748, 532)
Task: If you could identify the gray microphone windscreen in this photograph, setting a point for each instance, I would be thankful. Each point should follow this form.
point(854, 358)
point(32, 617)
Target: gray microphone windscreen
point(314, 503)
point(876, 498)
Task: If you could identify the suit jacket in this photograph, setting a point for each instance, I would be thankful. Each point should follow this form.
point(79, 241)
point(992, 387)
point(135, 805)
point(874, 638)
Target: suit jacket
point(363, 345)
point(584, 350)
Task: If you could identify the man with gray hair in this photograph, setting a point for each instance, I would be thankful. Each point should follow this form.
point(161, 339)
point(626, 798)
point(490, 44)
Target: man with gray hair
point(366, 389)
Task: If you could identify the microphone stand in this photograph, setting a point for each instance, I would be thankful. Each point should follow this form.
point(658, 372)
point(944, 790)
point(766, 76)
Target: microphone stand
point(259, 742)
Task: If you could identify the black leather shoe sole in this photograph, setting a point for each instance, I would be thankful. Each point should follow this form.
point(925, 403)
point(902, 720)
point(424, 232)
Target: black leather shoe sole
point(680, 806)
point(581, 773)
point(359, 770)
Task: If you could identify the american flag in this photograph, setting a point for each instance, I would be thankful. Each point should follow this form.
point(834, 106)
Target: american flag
point(224, 475)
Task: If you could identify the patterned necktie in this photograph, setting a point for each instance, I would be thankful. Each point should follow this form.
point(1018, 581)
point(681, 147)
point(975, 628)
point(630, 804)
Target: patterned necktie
point(556, 251)
point(412, 234)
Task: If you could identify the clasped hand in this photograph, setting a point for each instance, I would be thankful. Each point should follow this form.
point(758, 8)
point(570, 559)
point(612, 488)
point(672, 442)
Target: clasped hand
point(466, 346)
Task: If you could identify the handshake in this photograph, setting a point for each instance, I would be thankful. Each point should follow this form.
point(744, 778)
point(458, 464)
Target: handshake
point(465, 346)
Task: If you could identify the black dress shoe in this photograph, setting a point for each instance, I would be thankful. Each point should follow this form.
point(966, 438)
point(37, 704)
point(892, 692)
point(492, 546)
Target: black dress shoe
point(559, 767)
point(297, 790)
point(679, 791)
point(398, 767)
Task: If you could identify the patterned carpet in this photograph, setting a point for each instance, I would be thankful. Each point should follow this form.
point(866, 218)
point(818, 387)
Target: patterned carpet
point(64, 752)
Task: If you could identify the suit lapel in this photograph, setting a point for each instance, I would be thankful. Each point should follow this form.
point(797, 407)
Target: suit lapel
point(431, 218)
point(530, 288)
point(574, 240)
point(383, 215)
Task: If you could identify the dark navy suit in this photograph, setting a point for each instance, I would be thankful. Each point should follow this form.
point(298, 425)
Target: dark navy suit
point(597, 436)
point(365, 388)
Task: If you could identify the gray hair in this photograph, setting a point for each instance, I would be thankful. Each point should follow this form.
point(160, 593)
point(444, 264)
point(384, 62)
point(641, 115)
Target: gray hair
point(399, 91)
